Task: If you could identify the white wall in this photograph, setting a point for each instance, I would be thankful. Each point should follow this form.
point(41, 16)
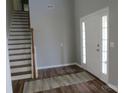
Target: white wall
point(54, 31)
point(8, 74)
point(85, 7)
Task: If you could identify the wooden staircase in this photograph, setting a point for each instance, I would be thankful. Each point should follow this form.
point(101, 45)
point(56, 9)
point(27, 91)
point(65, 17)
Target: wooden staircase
point(20, 44)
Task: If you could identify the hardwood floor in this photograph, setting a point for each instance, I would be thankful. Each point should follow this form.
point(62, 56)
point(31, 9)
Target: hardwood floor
point(91, 86)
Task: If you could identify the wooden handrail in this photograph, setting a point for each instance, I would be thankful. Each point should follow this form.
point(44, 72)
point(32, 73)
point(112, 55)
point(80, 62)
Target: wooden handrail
point(33, 56)
point(33, 49)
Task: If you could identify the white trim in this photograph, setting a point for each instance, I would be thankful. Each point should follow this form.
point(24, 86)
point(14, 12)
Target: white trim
point(22, 69)
point(25, 76)
point(113, 87)
point(54, 66)
point(36, 67)
point(20, 63)
point(78, 65)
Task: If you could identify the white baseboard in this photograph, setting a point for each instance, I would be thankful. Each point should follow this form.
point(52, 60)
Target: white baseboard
point(54, 66)
point(78, 65)
point(113, 87)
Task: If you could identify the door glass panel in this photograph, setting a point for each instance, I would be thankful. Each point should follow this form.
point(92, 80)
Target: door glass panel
point(83, 35)
point(104, 44)
point(104, 35)
point(104, 22)
point(104, 57)
point(104, 70)
point(83, 42)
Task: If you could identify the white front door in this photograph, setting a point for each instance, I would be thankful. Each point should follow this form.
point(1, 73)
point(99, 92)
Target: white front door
point(94, 41)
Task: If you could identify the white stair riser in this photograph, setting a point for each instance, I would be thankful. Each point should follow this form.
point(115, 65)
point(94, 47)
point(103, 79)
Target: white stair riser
point(19, 22)
point(18, 37)
point(20, 63)
point(14, 12)
point(17, 33)
point(26, 76)
point(20, 17)
point(23, 14)
point(19, 51)
point(19, 26)
point(22, 69)
point(19, 57)
point(19, 46)
point(19, 41)
point(19, 12)
point(19, 29)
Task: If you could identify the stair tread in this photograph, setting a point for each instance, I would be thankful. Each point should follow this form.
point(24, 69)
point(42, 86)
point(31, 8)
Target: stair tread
point(20, 54)
point(20, 63)
point(20, 66)
point(15, 60)
point(20, 30)
point(20, 27)
point(21, 73)
point(20, 35)
point(20, 12)
point(22, 69)
point(26, 16)
point(20, 48)
point(20, 39)
point(19, 20)
point(19, 43)
point(20, 17)
point(16, 12)
point(26, 76)
point(19, 24)
point(26, 31)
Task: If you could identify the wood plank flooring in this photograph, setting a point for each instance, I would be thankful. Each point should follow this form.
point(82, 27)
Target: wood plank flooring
point(92, 86)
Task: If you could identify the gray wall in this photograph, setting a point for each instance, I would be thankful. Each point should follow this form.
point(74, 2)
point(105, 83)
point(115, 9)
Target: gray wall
point(9, 8)
point(54, 31)
point(85, 7)
point(8, 75)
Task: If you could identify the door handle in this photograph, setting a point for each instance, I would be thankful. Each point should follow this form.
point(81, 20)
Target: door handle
point(98, 45)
